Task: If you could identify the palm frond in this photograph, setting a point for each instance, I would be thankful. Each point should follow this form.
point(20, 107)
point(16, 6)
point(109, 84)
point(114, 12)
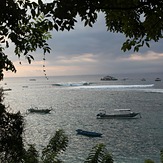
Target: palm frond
point(31, 155)
point(161, 155)
point(99, 154)
point(56, 145)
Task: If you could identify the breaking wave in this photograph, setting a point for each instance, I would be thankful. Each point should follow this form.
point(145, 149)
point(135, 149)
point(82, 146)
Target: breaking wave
point(70, 84)
point(153, 90)
point(114, 86)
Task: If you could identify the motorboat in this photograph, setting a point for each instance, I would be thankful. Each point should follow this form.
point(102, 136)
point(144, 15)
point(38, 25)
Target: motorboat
point(118, 113)
point(88, 133)
point(36, 110)
point(157, 79)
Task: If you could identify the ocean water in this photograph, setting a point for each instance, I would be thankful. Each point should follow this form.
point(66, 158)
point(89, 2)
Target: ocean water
point(74, 107)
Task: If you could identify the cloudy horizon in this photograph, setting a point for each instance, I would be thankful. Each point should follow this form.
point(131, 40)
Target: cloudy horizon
point(87, 50)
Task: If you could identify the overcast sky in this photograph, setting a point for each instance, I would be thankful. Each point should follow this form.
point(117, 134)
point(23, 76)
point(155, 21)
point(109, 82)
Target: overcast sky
point(87, 50)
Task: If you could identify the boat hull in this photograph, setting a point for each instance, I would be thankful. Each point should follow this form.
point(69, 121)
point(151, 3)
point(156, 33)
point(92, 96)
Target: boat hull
point(107, 116)
point(88, 133)
point(41, 111)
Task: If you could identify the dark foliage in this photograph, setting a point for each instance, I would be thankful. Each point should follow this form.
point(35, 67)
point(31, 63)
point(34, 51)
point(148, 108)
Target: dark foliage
point(27, 24)
point(11, 131)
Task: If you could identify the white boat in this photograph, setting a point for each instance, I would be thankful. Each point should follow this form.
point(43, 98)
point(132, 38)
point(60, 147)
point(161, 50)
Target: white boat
point(118, 113)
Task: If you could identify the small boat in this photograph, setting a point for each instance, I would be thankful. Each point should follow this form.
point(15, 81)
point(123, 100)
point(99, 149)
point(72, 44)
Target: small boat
point(118, 113)
point(7, 89)
point(143, 79)
point(24, 86)
point(157, 79)
point(88, 133)
point(32, 79)
point(41, 111)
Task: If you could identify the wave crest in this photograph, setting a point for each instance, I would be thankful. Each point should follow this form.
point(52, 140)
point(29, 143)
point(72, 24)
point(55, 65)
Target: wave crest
point(115, 86)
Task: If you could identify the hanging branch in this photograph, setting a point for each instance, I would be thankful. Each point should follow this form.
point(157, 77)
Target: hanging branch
point(44, 67)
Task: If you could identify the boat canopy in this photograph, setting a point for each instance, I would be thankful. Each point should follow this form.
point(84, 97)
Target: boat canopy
point(122, 109)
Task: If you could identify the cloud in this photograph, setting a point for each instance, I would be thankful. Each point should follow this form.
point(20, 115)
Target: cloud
point(148, 56)
point(87, 50)
point(149, 62)
point(77, 59)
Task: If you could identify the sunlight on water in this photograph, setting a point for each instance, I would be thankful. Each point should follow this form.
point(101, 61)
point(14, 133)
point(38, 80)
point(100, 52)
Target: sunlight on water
point(130, 141)
point(114, 86)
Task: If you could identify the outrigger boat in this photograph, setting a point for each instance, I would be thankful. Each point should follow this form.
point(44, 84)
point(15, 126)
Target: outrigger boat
point(118, 113)
point(41, 111)
point(88, 133)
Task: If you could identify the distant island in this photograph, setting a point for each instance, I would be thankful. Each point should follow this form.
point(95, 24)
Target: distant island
point(108, 78)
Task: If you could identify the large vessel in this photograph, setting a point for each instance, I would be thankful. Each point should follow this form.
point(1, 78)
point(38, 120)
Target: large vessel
point(109, 78)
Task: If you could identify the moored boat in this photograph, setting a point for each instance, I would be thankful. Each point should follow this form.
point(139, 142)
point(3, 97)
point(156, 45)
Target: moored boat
point(41, 111)
point(157, 79)
point(88, 133)
point(118, 113)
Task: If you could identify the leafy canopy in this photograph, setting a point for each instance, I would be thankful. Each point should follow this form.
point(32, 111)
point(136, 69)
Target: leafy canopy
point(27, 24)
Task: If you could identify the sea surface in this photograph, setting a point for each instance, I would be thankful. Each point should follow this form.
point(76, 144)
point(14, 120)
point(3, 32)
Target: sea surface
point(76, 106)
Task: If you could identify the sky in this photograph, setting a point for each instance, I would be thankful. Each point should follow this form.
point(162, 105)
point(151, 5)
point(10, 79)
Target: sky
point(86, 51)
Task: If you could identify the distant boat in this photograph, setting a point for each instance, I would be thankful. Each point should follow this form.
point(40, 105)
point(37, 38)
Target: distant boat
point(7, 89)
point(143, 79)
point(36, 110)
point(88, 133)
point(108, 78)
point(32, 79)
point(25, 86)
point(157, 79)
point(118, 113)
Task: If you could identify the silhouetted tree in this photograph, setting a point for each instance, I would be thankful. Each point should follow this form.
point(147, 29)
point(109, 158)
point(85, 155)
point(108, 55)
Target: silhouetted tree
point(11, 135)
point(27, 24)
point(99, 154)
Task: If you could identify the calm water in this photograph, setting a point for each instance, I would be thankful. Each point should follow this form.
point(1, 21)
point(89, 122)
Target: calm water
point(129, 141)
